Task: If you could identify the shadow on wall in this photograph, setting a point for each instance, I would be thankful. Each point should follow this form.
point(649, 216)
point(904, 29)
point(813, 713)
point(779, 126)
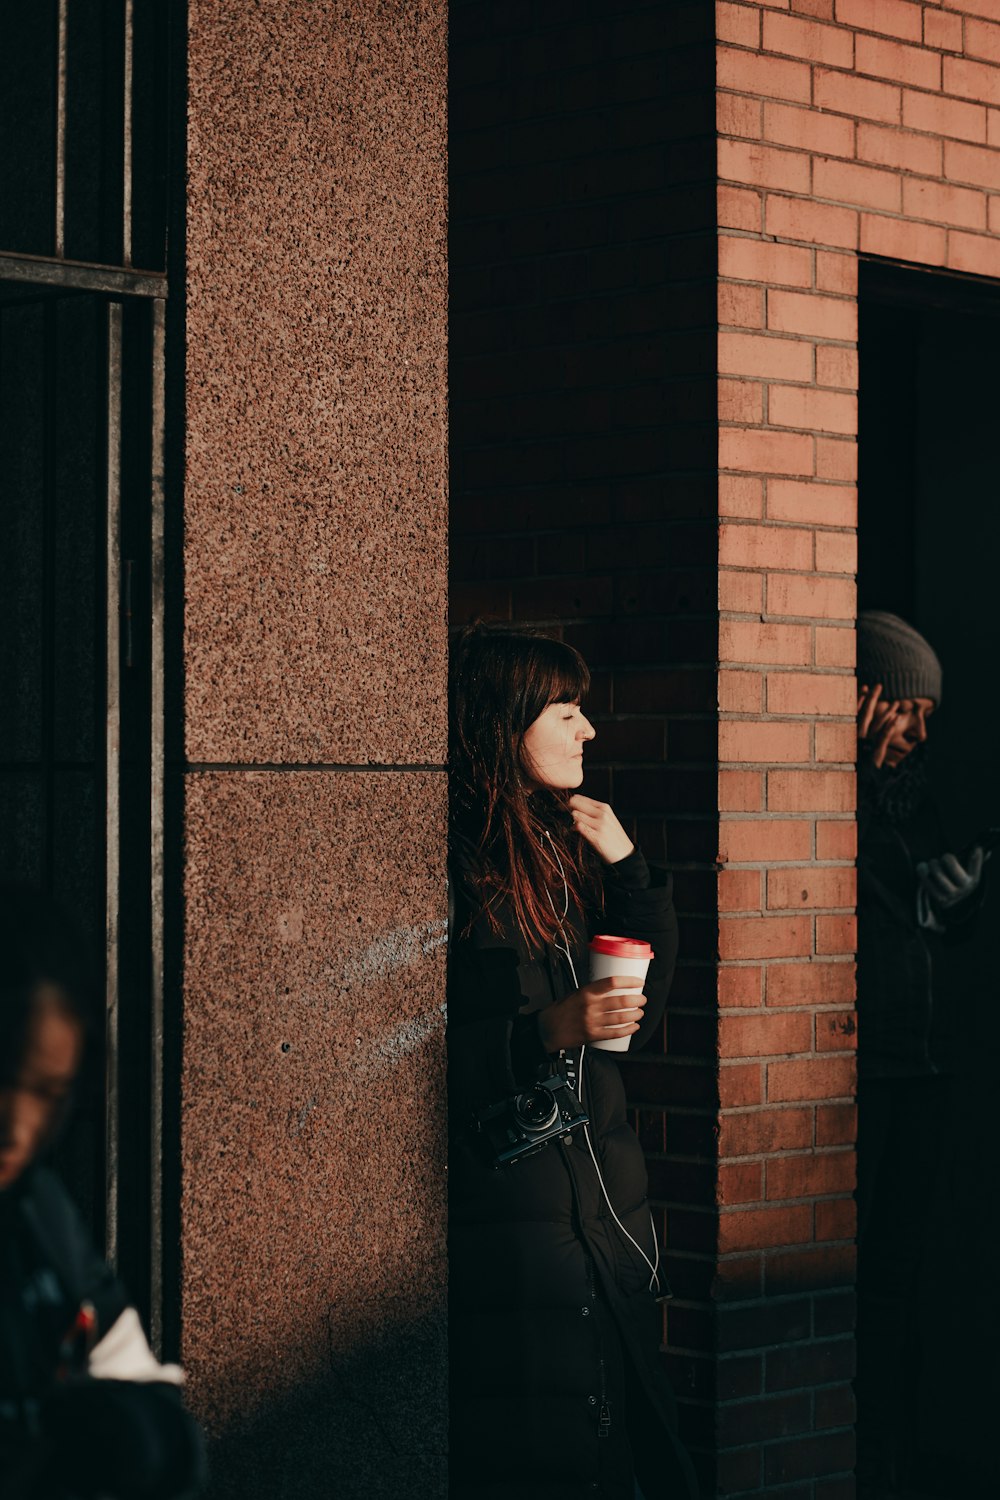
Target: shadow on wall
point(366, 1427)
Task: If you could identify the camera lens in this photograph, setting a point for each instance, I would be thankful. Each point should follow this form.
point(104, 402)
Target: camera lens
point(535, 1110)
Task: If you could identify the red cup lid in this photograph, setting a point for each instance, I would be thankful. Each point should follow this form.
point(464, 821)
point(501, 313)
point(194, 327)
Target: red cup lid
point(620, 947)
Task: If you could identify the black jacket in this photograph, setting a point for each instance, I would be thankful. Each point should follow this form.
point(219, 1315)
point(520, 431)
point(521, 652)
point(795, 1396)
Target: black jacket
point(87, 1413)
point(553, 1326)
point(899, 1035)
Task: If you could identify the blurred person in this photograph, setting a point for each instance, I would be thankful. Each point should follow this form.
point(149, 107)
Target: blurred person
point(914, 892)
point(86, 1409)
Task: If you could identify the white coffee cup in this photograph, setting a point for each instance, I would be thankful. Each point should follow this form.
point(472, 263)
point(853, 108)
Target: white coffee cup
point(624, 958)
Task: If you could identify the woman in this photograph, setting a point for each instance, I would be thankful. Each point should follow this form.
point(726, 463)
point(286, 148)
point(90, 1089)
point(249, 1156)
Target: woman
point(556, 1390)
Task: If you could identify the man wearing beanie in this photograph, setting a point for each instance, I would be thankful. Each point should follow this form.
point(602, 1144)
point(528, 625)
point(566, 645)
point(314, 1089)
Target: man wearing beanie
point(913, 893)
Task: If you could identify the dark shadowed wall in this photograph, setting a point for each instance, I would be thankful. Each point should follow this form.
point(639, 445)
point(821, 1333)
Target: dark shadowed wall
point(584, 485)
point(315, 723)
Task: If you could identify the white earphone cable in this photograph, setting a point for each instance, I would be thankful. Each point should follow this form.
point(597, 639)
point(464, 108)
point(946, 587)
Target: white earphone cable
point(654, 1265)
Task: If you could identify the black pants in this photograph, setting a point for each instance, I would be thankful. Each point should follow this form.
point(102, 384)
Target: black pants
point(901, 1124)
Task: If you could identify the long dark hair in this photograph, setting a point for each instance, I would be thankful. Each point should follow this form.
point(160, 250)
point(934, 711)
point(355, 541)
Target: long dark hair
point(501, 680)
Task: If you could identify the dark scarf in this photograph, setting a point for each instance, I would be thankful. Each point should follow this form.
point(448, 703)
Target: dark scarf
point(893, 794)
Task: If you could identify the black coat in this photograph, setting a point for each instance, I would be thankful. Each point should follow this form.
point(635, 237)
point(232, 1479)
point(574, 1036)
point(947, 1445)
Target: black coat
point(557, 1393)
point(899, 1036)
point(61, 1430)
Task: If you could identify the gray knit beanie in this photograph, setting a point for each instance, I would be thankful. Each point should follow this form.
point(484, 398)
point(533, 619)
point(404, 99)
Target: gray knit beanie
point(894, 654)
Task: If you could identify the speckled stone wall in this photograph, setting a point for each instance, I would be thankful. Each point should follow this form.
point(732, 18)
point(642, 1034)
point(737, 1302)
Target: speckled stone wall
point(314, 1192)
point(313, 1226)
point(315, 490)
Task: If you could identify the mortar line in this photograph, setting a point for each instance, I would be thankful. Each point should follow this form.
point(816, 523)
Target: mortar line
point(314, 766)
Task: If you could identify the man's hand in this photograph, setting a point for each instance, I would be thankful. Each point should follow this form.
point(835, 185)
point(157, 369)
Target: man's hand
point(947, 881)
point(876, 721)
point(597, 823)
point(595, 1013)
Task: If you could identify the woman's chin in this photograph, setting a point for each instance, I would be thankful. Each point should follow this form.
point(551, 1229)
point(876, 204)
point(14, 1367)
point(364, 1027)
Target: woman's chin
point(567, 782)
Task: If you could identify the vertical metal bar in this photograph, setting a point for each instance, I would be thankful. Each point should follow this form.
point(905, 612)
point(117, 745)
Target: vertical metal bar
point(127, 142)
point(156, 823)
point(50, 437)
point(60, 223)
point(112, 780)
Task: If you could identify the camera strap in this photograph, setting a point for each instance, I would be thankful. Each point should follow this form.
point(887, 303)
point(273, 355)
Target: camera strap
point(570, 1059)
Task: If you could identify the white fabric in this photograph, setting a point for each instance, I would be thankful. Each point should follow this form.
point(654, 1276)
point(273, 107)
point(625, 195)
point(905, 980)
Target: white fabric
point(124, 1354)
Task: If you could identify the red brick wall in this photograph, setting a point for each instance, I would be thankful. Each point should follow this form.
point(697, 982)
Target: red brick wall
point(586, 373)
point(846, 127)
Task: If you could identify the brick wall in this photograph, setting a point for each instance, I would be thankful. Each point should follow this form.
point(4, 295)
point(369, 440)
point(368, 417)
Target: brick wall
point(596, 356)
point(846, 127)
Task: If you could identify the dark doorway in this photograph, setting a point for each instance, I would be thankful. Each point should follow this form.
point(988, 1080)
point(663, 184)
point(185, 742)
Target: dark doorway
point(929, 550)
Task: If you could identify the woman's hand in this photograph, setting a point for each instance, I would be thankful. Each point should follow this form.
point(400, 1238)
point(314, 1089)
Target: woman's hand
point(597, 823)
point(876, 721)
point(595, 1013)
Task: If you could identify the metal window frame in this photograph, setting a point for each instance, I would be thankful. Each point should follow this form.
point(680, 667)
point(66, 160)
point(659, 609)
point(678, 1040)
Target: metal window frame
point(112, 752)
point(157, 838)
point(81, 275)
point(119, 283)
point(112, 770)
point(156, 793)
point(157, 729)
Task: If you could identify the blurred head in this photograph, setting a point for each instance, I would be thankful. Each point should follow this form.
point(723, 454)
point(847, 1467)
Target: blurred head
point(43, 993)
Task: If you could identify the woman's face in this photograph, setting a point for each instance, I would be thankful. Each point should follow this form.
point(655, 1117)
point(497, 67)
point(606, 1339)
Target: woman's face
point(31, 1102)
point(552, 747)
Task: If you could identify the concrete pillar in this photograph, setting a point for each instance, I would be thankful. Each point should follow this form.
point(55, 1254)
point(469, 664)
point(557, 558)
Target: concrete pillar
point(312, 1131)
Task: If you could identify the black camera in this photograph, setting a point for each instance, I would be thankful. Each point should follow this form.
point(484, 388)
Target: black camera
point(525, 1122)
